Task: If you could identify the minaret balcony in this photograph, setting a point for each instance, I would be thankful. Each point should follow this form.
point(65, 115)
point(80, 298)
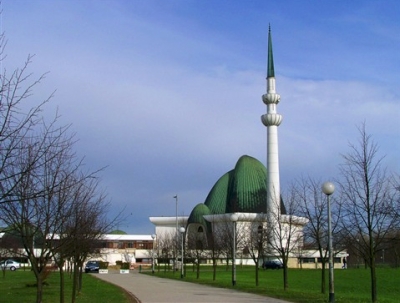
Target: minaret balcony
point(271, 98)
point(271, 119)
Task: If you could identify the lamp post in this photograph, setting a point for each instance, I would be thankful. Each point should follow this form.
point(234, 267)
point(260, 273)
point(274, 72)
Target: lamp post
point(176, 231)
point(153, 236)
point(234, 217)
point(328, 188)
point(182, 231)
point(358, 253)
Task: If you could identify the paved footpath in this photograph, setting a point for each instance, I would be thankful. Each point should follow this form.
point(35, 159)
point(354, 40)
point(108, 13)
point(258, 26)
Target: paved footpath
point(151, 289)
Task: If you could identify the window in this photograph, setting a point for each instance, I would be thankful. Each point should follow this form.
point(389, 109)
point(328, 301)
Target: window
point(335, 260)
point(200, 229)
point(307, 260)
point(139, 244)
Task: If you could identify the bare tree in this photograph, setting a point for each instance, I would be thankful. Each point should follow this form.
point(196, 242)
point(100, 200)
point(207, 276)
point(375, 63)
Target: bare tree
point(34, 207)
point(285, 232)
point(38, 175)
point(255, 241)
point(216, 250)
point(87, 224)
point(25, 149)
point(225, 239)
point(165, 247)
point(17, 122)
point(197, 249)
point(81, 231)
point(371, 212)
point(313, 206)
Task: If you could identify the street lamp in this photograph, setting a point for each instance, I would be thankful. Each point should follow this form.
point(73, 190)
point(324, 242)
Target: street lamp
point(153, 236)
point(234, 217)
point(182, 231)
point(328, 188)
point(176, 231)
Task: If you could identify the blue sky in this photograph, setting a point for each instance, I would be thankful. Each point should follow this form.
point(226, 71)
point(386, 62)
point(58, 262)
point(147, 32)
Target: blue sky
point(167, 94)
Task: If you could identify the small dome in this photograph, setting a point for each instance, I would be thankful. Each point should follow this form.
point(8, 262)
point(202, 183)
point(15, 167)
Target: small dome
point(196, 216)
point(118, 232)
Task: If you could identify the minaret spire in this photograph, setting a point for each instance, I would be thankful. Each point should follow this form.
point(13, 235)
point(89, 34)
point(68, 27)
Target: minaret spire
point(271, 71)
point(272, 120)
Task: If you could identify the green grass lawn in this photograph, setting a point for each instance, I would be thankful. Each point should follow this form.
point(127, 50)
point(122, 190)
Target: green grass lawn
point(351, 285)
point(16, 287)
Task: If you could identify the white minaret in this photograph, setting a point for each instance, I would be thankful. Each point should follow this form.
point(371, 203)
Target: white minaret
point(272, 120)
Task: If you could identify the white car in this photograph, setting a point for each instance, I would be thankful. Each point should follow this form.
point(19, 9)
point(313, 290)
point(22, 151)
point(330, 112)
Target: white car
point(9, 264)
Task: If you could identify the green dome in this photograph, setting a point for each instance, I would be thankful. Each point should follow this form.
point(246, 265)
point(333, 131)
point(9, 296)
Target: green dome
point(243, 189)
point(218, 196)
point(196, 216)
point(118, 232)
point(248, 187)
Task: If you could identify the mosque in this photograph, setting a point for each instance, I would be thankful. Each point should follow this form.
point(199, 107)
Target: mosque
point(247, 197)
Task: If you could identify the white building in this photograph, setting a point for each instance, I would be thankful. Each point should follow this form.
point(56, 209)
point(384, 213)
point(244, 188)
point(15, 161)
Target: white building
point(133, 249)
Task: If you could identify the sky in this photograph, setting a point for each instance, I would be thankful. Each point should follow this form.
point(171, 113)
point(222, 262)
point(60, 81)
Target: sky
point(167, 94)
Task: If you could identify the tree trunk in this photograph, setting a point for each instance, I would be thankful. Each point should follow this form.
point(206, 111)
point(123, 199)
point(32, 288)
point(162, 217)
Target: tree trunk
point(214, 269)
point(198, 269)
point(323, 278)
point(285, 278)
point(80, 277)
point(39, 280)
point(374, 295)
point(39, 288)
point(74, 283)
point(62, 290)
point(257, 279)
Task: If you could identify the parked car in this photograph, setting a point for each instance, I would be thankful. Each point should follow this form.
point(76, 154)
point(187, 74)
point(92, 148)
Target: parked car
point(9, 264)
point(92, 266)
point(274, 264)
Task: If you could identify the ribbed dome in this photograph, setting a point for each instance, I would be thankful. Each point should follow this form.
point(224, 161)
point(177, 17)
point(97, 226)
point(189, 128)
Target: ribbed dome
point(243, 189)
point(248, 187)
point(218, 196)
point(196, 216)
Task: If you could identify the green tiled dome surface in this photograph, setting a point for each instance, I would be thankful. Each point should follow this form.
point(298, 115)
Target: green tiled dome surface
point(197, 214)
point(247, 188)
point(243, 189)
point(218, 196)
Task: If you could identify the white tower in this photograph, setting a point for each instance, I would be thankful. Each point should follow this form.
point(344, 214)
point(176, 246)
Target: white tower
point(272, 120)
